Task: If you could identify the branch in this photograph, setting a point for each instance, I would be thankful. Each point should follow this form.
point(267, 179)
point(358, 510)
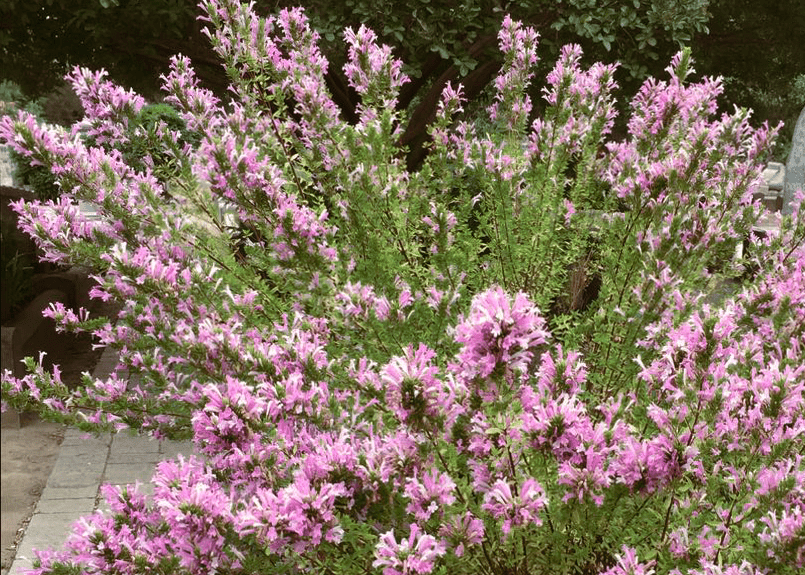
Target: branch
point(416, 133)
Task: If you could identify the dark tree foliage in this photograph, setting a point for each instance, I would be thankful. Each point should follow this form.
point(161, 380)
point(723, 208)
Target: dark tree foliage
point(133, 39)
point(456, 40)
point(759, 48)
point(436, 39)
point(756, 45)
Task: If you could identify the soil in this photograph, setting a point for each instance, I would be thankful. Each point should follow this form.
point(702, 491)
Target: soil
point(29, 453)
point(28, 456)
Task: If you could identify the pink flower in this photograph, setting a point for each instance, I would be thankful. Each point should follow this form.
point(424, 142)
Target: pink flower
point(430, 494)
point(515, 510)
point(519, 45)
point(628, 564)
point(371, 70)
point(417, 554)
point(412, 385)
point(462, 531)
point(500, 333)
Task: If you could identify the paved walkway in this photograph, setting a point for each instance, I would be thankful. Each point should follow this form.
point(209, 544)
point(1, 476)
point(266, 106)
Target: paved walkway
point(85, 463)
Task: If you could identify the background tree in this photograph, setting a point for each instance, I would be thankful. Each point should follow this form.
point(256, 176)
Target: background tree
point(759, 48)
point(440, 41)
point(40, 40)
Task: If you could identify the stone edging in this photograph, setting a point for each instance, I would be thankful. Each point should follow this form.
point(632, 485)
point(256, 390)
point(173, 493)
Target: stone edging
point(32, 333)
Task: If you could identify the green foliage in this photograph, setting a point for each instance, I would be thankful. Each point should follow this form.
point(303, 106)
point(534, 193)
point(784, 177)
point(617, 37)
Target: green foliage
point(344, 261)
point(636, 30)
point(437, 41)
point(39, 41)
point(11, 93)
point(36, 177)
point(639, 32)
point(153, 139)
point(149, 140)
point(774, 101)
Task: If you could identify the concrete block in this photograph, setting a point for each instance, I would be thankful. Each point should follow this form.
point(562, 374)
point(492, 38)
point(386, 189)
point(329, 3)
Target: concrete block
point(121, 458)
point(774, 176)
point(34, 333)
point(20, 566)
point(75, 478)
point(170, 449)
point(84, 491)
point(91, 449)
point(77, 437)
point(795, 166)
point(123, 442)
point(46, 531)
point(106, 364)
point(125, 473)
point(78, 507)
point(10, 419)
point(83, 284)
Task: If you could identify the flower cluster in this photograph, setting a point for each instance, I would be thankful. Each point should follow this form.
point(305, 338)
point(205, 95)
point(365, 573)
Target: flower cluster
point(519, 46)
point(499, 334)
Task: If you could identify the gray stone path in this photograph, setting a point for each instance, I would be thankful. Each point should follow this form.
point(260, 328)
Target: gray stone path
point(83, 465)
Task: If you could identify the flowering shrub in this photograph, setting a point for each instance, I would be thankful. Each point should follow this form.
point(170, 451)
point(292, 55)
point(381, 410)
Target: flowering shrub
point(500, 363)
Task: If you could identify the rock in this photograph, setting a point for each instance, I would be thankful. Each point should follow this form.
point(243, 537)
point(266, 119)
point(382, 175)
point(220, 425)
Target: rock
point(795, 167)
point(770, 190)
point(774, 175)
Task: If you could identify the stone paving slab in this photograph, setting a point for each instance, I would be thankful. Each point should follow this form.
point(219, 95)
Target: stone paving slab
point(6, 167)
point(126, 443)
point(125, 473)
point(80, 506)
point(45, 531)
point(172, 449)
point(127, 458)
point(73, 489)
point(86, 462)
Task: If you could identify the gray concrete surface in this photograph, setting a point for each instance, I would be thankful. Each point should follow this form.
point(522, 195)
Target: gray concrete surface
point(84, 464)
point(6, 168)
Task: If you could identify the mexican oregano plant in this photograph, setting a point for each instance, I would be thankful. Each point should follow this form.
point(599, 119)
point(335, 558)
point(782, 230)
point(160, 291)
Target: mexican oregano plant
point(503, 362)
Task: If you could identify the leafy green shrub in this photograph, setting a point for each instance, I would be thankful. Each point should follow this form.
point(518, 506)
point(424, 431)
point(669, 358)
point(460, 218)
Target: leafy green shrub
point(154, 137)
point(147, 138)
point(37, 177)
point(408, 371)
point(61, 106)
